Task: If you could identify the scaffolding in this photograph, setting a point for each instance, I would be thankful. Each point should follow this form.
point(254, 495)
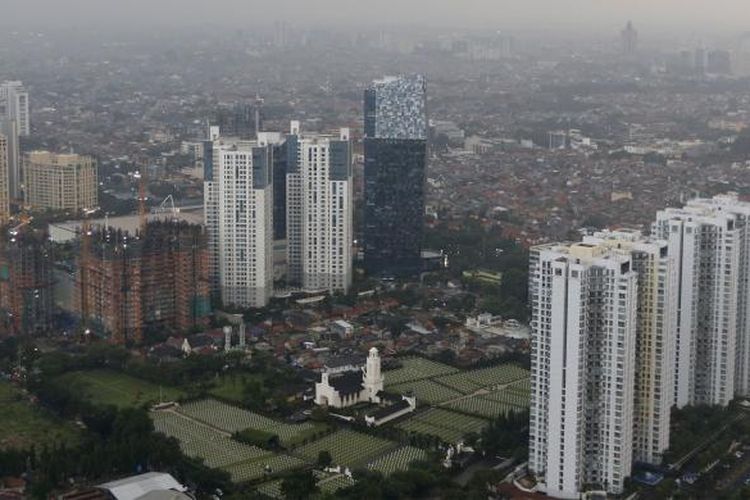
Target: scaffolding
point(156, 279)
point(26, 281)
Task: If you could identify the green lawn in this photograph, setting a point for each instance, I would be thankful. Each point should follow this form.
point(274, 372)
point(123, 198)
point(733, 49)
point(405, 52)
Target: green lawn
point(449, 426)
point(22, 424)
point(231, 387)
point(348, 448)
point(104, 387)
point(232, 419)
point(242, 462)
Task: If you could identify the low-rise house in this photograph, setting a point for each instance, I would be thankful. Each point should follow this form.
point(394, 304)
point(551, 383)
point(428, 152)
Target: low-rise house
point(342, 328)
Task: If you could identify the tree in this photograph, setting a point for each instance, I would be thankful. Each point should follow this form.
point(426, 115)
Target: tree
point(514, 284)
point(324, 459)
point(493, 305)
point(8, 351)
point(299, 486)
point(29, 353)
point(254, 394)
point(471, 439)
point(319, 414)
point(507, 435)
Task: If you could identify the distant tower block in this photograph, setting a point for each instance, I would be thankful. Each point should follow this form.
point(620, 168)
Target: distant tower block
point(257, 107)
point(242, 336)
point(629, 39)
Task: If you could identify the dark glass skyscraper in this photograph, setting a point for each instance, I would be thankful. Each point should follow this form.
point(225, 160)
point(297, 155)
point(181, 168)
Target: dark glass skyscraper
point(395, 159)
point(283, 154)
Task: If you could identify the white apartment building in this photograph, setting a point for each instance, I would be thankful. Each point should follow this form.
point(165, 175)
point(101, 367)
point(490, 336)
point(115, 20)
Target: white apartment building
point(319, 208)
point(14, 99)
point(584, 301)
point(9, 128)
point(709, 240)
point(656, 332)
point(729, 203)
point(238, 205)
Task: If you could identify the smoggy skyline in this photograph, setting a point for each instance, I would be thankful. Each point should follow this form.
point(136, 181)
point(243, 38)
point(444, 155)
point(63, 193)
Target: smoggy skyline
point(595, 15)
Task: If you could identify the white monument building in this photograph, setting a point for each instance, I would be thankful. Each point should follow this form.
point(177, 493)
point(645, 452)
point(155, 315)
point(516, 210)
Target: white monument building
point(348, 388)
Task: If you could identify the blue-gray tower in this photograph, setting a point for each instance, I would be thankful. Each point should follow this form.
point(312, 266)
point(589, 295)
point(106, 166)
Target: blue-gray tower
point(395, 163)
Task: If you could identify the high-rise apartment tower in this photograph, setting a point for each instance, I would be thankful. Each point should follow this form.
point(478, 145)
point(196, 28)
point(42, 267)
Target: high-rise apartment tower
point(584, 302)
point(319, 211)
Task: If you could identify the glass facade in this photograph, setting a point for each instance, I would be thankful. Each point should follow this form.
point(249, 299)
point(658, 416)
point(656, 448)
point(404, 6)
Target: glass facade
point(284, 160)
point(394, 205)
point(395, 161)
point(395, 108)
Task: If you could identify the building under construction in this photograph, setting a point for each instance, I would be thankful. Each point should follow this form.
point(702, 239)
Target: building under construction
point(26, 282)
point(174, 272)
point(154, 280)
point(108, 284)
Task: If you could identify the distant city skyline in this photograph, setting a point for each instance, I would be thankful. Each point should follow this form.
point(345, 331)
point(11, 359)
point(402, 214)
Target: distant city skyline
point(593, 14)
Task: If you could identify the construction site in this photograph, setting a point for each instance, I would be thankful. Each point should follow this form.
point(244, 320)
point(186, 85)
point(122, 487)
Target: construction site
point(26, 281)
point(154, 281)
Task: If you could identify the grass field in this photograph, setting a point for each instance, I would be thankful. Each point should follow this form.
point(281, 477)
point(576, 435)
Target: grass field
point(348, 448)
point(104, 387)
point(231, 419)
point(470, 381)
point(331, 485)
point(449, 426)
point(484, 407)
point(397, 460)
point(328, 485)
point(271, 489)
point(459, 382)
point(426, 390)
point(416, 369)
point(23, 425)
point(258, 468)
point(197, 440)
point(231, 388)
point(522, 400)
point(494, 390)
point(243, 462)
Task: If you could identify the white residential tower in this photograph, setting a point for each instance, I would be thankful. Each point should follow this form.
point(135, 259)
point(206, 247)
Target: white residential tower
point(238, 203)
point(319, 211)
point(709, 238)
point(656, 331)
point(14, 99)
point(584, 299)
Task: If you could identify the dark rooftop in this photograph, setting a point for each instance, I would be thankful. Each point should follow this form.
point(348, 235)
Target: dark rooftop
point(339, 361)
point(347, 383)
point(386, 411)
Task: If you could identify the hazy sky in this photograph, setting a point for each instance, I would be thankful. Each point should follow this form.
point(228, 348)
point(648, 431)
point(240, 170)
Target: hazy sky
point(710, 15)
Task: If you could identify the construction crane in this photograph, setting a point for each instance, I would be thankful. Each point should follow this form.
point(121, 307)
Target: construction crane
point(141, 178)
point(23, 220)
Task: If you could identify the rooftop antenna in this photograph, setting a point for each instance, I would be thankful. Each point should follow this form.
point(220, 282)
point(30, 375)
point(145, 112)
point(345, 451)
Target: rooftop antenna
point(258, 104)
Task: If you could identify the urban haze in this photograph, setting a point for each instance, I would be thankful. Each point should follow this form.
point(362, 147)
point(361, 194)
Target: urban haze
point(541, 14)
point(374, 250)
